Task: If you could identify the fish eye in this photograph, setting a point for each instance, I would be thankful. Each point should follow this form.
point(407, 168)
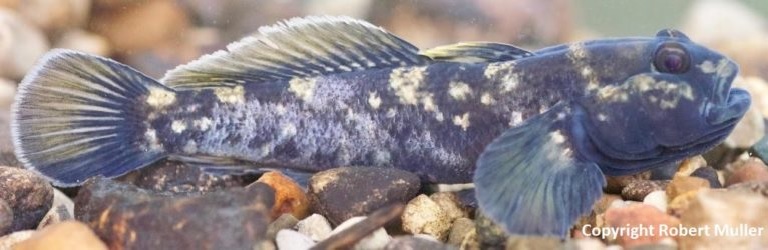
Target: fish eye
point(671, 58)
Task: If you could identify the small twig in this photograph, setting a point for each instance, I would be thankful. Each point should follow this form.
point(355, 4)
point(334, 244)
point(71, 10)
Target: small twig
point(347, 238)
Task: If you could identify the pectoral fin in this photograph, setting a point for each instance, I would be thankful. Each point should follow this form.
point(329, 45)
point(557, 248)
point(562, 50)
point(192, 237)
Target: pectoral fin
point(530, 181)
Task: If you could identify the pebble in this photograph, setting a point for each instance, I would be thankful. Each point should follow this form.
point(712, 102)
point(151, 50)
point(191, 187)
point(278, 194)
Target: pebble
point(292, 240)
point(489, 234)
point(175, 177)
point(6, 217)
point(585, 244)
point(289, 196)
point(423, 215)
point(343, 193)
point(709, 174)
point(637, 190)
point(85, 41)
point(690, 165)
point(680, 204)
point(29, 196)
point(21, 44)
point(352, 234)
point(376, 240)
point(450, 204)
point(720, 208)
point(615, 184)
point(758, 187)
point(285, 221)
point(63, 208)
point(64, 235)
point(635, 215)
point(315, 226)
point(416, 243)
point(10, 240)
point(657, 199)
point(125, 216)
point(533, 242)
point(752, 169)
point(461, 229)
point(683, 184)
point(55, 16)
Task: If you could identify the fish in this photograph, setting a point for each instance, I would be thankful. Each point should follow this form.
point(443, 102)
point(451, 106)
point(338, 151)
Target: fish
point(535, 132)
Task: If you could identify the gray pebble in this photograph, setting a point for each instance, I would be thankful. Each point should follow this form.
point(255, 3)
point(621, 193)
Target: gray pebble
point(285, 221)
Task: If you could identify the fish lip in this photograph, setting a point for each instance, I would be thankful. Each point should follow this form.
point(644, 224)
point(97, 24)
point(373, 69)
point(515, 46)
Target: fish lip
point(726, 103)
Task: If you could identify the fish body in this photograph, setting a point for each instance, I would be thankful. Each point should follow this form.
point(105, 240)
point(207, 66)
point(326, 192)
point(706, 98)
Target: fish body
point(534, 131)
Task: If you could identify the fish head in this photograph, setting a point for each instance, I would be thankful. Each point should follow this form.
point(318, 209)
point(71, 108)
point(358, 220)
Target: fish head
point(675, 100)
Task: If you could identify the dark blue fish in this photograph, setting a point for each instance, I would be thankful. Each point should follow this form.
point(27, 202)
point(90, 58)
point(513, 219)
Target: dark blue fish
point(535, 131)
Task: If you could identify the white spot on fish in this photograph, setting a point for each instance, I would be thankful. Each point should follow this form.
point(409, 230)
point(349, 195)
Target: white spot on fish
point(462, 121)
point(288, 130)
point(391, 113)
point(203, 124)
point(576, 52)
point(190, 147)
point(503, 74)
point(602, 117)
point(159, 98)
point(557, 137)
point(516, 119)
point(487, 99)
point(178, 126)
point(406, 83)
point(429, 103)
point(459, 90)
point(381, 157)
point(303, 88)
point(152, 142)
point(707, 67)
point(374, 100)
point(230, 95)
point(439, 116)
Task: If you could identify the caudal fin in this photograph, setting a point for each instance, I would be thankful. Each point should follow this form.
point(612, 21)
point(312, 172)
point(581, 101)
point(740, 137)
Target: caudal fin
point(78, 116)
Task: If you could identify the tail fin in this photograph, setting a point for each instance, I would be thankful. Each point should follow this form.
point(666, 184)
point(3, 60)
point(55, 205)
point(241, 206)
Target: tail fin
point(78, 116)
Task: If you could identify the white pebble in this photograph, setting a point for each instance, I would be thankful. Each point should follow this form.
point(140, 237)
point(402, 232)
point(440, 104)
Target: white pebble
point(292, 240)
point(315, 226)
point(377, 240)
point(657, 199)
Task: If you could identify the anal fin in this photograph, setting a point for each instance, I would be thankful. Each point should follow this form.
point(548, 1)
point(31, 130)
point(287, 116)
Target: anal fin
point(530, 179)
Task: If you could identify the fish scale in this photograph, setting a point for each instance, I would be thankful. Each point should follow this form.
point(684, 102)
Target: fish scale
point(534, 132)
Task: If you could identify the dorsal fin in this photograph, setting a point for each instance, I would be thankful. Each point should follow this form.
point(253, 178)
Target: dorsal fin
point(299, 47)
point(476, 52)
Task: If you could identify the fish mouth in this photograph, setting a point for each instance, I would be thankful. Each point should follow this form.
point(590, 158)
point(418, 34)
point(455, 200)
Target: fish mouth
point(726, 103)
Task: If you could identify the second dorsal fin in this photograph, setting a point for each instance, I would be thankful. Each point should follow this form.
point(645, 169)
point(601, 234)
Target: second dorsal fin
point(299, 47)
point(476, 52)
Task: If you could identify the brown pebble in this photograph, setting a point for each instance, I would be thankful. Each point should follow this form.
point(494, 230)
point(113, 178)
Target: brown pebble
point(450, 204)
point(137, 27)
point(424, 216)
point(460, 230)
point(29, 196)
point(64, 235)
point(750, 170)
point(615, 184)
point(289, 196)
point(21, 44)
point(637, 190)
point(683, 184)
